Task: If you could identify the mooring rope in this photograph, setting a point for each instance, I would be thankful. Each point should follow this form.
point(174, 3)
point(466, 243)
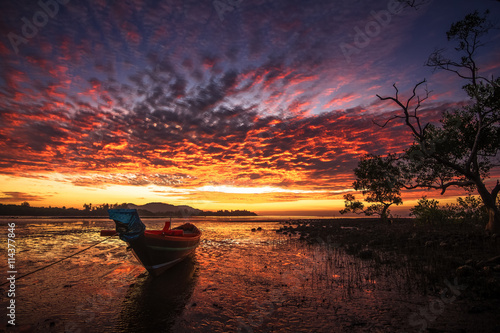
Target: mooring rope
point(58, 261)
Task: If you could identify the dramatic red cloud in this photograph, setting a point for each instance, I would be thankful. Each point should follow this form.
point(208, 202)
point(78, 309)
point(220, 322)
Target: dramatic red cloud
point(170, 94)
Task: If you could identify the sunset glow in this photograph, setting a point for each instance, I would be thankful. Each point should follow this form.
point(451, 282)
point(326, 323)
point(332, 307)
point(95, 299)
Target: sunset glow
point(256, 108)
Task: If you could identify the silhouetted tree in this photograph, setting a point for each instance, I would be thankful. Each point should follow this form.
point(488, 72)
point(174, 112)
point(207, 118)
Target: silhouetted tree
point(380, 180)
point(464, 148)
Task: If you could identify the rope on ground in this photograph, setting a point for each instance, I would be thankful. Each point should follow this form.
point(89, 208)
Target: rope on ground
point(58, 261)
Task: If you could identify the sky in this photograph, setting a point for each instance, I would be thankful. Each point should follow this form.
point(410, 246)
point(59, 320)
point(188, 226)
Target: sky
point(228, 104)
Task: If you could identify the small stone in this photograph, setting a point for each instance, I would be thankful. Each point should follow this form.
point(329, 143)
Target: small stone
point(487, 270)
point(470, 262)
point(464, 270)
point(493, 261)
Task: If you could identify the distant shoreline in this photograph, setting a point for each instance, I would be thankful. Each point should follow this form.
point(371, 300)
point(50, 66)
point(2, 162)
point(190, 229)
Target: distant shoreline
point(25, 210)
point(61, 217)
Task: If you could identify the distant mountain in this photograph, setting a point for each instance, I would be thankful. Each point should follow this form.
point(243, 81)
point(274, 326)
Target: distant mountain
point(153, 209)
point(159, 207)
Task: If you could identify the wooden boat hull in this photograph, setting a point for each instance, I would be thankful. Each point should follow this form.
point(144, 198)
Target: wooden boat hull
point(157, 252)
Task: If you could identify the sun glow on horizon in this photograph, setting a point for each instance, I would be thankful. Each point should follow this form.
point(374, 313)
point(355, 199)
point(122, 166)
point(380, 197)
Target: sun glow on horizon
point(268, 121)
point(256, 190)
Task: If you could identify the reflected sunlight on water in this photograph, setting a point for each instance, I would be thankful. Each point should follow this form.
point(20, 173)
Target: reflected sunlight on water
point(237, 280)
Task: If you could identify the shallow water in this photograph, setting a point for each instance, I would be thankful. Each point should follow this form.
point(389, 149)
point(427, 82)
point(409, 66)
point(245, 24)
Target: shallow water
point(237, 280)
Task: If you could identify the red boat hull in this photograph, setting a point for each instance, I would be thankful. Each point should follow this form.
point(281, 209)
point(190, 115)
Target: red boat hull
point(158, 251)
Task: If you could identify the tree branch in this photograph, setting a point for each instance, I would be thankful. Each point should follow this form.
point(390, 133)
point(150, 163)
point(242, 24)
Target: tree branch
point(415, 4)
point(495, 190)
point(407, 115)
point(444, 187)
point(387, 121)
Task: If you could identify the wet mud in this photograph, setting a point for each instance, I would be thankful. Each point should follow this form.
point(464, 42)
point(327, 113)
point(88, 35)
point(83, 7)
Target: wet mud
point(238, 280)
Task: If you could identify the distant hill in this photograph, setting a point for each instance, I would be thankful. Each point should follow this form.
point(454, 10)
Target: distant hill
point(159, 208)
point(153, 209)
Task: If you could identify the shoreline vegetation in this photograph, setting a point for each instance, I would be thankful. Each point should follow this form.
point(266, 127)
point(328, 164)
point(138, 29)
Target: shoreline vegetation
point(436, 250)
point(431, 255)
point(11, 210)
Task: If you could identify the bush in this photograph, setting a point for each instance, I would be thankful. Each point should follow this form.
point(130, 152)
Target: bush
point(467, 210)
point(428, 211)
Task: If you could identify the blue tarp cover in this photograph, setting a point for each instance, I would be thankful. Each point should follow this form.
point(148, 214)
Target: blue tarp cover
point(131, 225)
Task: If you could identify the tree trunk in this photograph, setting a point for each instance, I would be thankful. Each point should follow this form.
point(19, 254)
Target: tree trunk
point(383, 215)
point(493, 225)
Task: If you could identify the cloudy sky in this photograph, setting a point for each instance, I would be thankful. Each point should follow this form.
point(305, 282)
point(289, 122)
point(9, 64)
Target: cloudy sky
point(232, 104)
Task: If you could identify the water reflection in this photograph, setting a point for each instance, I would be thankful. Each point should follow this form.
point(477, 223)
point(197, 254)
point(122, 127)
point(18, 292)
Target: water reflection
point(153, 303)
point(237, 280)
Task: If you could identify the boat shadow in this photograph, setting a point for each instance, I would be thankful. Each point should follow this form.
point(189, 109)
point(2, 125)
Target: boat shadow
point(152, 304)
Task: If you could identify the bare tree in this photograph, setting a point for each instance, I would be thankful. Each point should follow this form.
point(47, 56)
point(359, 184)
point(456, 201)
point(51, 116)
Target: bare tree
point(464, 149)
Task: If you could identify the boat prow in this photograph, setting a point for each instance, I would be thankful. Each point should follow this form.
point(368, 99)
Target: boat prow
point(156, 250)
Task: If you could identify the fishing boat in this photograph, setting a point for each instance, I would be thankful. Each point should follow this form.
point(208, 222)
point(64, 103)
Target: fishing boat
point(156, 250)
